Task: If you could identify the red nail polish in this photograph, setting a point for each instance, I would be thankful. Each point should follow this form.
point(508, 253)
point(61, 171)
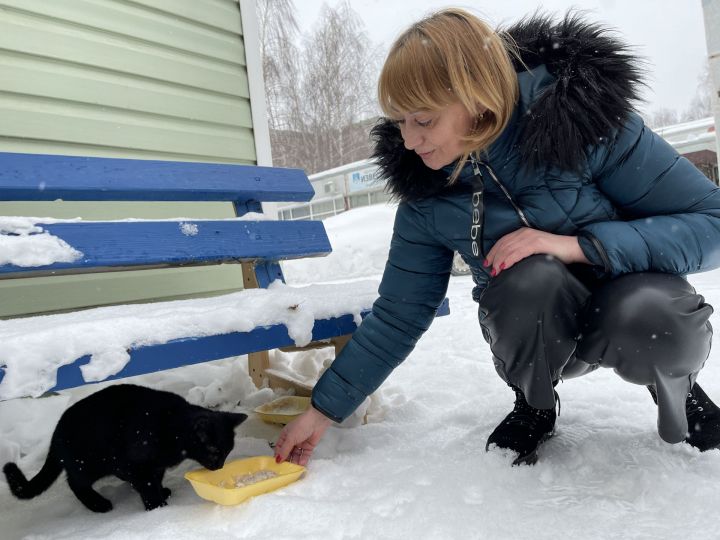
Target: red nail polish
point(502, 266)
point(278, 459)
point(485, 262)
point(493, 272)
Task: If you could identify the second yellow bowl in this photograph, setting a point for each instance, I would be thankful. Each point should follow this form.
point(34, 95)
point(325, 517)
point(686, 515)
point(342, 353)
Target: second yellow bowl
point(283, 410)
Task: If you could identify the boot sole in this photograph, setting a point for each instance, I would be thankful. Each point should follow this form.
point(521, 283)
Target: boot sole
point(704, 448)
point(532, 457)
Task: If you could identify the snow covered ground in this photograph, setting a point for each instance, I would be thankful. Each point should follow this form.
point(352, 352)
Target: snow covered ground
point(418, 469)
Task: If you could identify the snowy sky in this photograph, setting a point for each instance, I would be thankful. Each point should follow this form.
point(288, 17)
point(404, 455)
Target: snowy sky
point(669, 33)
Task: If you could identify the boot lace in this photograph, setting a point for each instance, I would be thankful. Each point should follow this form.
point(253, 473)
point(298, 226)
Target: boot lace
point(526, 416)
point(693, 407)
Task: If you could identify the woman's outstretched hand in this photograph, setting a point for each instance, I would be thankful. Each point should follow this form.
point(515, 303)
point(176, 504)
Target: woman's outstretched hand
point(522, 243)
point(299, 438)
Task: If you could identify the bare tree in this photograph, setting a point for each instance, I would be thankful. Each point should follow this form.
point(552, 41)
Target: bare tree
point(278, 34)
point(321, 95)
point(662, 117)
point(339, 86)
point(701, 106)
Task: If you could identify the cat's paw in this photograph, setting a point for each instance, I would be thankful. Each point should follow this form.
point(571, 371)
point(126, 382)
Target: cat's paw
point(155, 504)
point(100, 505)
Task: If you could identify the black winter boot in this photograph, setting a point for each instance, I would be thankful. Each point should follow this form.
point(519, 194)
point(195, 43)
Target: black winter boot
point(703, 418)
point(524, 430)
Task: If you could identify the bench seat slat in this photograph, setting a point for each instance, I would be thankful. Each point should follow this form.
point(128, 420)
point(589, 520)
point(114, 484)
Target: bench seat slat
point(193, 351)
point(182, 352)
point(116, 245)
point(40, 177)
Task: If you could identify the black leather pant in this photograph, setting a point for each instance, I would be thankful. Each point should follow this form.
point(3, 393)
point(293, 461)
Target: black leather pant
point(545, 321)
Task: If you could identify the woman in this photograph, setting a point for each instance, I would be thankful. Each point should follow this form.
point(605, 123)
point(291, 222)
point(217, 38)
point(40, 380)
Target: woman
point(520, 149)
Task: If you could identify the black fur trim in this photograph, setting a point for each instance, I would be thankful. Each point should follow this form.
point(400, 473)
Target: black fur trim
point(408, 177)
point(598, 80)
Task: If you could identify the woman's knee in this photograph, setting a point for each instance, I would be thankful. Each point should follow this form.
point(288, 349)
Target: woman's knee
point(648, 305)
point(529, 315)
point(527, 283)
point(646, 324)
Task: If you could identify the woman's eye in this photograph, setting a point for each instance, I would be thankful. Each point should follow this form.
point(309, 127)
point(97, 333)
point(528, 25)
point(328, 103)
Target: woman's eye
point(423, 123)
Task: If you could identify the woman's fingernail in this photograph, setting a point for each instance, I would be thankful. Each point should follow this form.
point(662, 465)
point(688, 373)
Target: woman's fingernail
point(485, 262)
point(493, 272)
point(502, 266)
point(278, 459)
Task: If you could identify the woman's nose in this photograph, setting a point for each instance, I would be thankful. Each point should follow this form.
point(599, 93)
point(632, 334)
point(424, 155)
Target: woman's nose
point(411, 137)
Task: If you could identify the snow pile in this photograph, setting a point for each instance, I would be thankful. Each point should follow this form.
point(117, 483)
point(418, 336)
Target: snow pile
point(360, 240)
point(24, 243)
point(189, 229)
point(34, 348)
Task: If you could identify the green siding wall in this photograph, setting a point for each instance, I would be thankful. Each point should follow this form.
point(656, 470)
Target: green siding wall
point(145, 79)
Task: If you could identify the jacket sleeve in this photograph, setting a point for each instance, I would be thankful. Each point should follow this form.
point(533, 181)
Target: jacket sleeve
point(413, 286)
point(670, 211)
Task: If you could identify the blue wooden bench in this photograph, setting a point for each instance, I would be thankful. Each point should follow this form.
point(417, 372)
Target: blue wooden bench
point(257, 246)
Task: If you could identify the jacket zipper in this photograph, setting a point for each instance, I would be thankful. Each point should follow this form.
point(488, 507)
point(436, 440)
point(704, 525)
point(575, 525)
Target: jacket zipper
point(595, 242)
point(601, 251)
point(518, 210)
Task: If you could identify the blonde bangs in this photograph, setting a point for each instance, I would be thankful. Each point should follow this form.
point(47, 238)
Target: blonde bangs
point(411, 79)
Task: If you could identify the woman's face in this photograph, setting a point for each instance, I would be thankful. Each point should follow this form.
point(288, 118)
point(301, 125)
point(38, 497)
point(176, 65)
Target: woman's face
point(436, 136)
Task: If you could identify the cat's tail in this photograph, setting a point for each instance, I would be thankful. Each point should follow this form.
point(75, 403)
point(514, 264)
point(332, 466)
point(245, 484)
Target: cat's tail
point(23, 488)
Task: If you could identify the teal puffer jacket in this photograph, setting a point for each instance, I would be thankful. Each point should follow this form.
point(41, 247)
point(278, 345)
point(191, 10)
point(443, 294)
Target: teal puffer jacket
point(632, 201)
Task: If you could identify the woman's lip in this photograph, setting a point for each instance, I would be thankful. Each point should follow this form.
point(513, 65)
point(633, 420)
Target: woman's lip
point(425, 154)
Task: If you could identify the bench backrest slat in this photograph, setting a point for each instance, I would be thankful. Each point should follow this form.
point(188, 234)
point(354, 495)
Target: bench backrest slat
point(40, 177)
point(123, 245)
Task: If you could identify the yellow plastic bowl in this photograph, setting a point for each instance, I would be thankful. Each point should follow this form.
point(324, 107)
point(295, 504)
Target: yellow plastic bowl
point(283, 410)
point(208, 484)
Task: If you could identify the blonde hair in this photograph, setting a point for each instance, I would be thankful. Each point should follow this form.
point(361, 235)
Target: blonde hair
point(452, 56)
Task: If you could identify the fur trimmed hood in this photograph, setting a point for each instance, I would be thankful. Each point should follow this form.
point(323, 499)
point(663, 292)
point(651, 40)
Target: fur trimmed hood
point(596, 81)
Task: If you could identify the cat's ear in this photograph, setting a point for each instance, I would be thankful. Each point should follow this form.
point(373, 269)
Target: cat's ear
point(236, 418)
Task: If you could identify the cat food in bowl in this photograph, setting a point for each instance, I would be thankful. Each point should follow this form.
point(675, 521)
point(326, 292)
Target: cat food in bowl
point(283, 410)
point(241, 479)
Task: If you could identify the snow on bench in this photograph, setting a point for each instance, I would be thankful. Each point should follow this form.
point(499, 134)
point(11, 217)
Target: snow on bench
point(100, 342)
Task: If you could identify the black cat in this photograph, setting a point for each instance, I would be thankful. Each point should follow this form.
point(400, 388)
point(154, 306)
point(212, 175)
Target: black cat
point(134, 433)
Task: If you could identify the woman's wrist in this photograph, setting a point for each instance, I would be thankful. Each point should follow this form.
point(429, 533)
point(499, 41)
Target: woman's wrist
point(318, 416)
point(577, 254)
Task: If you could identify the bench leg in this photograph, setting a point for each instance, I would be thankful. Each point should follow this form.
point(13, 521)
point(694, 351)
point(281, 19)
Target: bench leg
point(258, 362)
